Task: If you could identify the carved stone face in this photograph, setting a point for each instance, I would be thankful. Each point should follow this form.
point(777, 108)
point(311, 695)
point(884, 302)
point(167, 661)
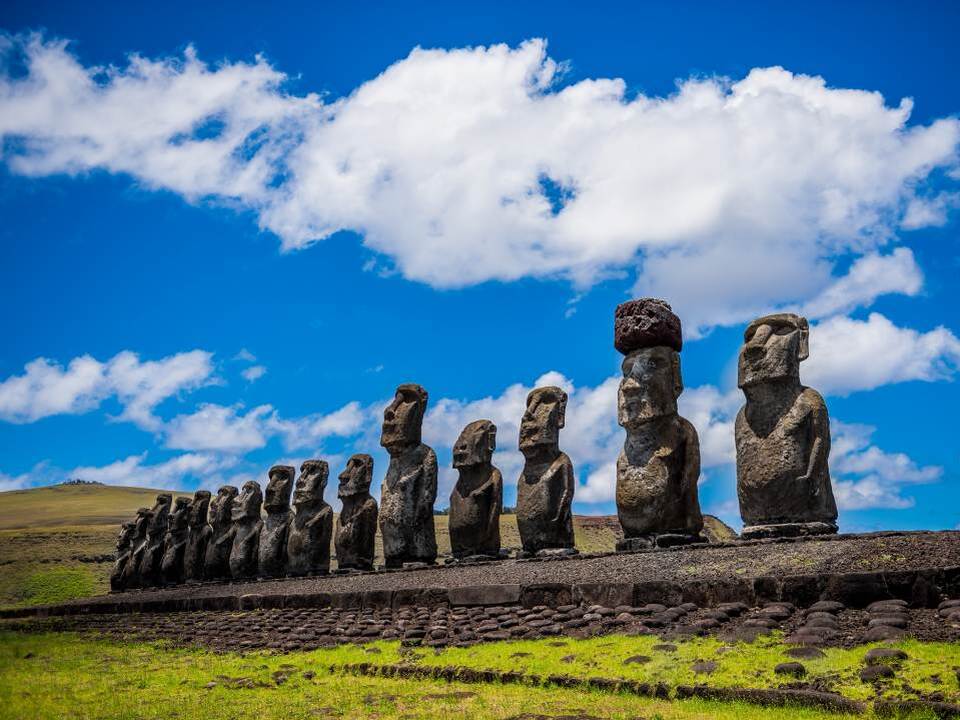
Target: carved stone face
point(221, 507)
point(650, 387)
point(246, 506)
point(355, 478)
point(142, 522)
point(311, 483)
point(773, 347)
point(160, 514)
point(279, 486)
point(179, 515)
point(199, 508)
point(125, 537)
point(475, 445)
point(544, 416)
point(403, 418)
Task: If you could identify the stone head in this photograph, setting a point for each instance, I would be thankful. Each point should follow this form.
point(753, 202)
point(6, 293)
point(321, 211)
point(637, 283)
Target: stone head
point(279, 486)
point(180, 514)
point(246, 506)
point(160, 514)
point(142, 522)
point(403, 418)
point(650, 387)
point(475, 445)
point(199, 508)
point(311, 483)
point(545, 415)
point(355, 478)
point(221, 507)
point(773, 347)
point(125, 538)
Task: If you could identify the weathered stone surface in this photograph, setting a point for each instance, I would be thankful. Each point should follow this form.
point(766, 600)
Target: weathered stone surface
point(216, 562)
point(152, 558)
point(409, 489)
point(198, 535)
point(357, 523)
point(546, 485)
point(175, 543)
point(644, 323)
point(124, 553)
point(272, 545)
point(308, 541)
point(477, 498)
point(782, 435)
point(138, 545)
point(485, 595)
point(245, 514)
point(658, 468)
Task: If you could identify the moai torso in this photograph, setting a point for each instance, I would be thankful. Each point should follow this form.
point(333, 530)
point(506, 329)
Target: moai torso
point(124, 553)
point(782, 435)
point(272, 550)
point(138, 546)
point(150, 563)
point(308, 541)
point(198, 535)
point(409, 489)
point(244, 553)
point(357, 523)
point(477, 498)
point(546, 485)
point(216, 559)
point(175, 543)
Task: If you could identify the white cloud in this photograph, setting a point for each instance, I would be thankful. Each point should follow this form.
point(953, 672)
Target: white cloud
point(245, 356)
point(47, 388)
point(168, 475)
point(254, 373)
point(461, 166)
point(848, 355)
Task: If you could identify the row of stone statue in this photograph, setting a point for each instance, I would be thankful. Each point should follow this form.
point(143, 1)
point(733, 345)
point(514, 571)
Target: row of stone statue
point(783, 483)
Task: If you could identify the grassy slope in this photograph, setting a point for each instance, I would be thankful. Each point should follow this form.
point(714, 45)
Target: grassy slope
point(53, 676)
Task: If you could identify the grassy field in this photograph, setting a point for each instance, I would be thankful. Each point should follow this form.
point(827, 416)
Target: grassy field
point(66, 676)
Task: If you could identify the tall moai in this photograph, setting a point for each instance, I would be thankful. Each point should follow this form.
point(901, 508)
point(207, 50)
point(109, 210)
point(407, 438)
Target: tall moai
point(245, 513)
point(308, 540)
point(357, 522)
point(477, 498)
point(546, 485)
point(175, 542)
point(782, 435)
point(198, 536)
point(409, 489)
point(659, 466)
point(150, 563)
point(124, 553)
point(272, 551)
point(216, 560)
point(138, 546)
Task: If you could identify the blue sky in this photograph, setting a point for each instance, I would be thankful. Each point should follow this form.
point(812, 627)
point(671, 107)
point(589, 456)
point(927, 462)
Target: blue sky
point(228, 232)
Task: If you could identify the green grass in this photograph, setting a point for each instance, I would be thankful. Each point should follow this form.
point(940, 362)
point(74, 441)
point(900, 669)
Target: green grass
point(67, 676)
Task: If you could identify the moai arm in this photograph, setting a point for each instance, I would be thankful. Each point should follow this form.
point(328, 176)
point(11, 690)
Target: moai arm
point(565, 467)
point(495, 487)
point(820, 436)
point(691, 476)
point(429, 489)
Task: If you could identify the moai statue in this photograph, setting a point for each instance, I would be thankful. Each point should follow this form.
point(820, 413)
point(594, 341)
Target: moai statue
point(357, 523)
point(308, 541)
point(658, 469)
point(545, 488)
point(150, 563)
point(138, 545)
point(216, 561)
point(273, 535)
point(124, 553)
point(782, 435)
point(197, 537)
point(175, 542)
point(477, 498)
point(410, 486)
point(245, 513)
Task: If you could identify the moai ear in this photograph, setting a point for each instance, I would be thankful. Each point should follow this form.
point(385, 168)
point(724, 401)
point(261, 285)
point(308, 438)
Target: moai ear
point(677, 376)
point(492, 437)
point(562, 410)
point(803, 349)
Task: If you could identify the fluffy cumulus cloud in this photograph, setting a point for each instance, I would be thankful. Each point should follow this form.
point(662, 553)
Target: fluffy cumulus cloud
point(464, 165)
point(206, 468)
point(46, 388)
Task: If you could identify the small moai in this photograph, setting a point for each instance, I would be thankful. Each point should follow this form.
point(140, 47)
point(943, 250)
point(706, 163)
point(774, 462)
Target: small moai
point(124, 553)
point(308, 540)
point(546, 485)
point(138, 545)
point(150, 563)
point(782, 435)
point(245, 513)
point(198, 536)
point(477, 498)
point(175, 543)
point(272, 550)
point(409, 489)
point(216, 560)
point(659, 466)
point(357, 522)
